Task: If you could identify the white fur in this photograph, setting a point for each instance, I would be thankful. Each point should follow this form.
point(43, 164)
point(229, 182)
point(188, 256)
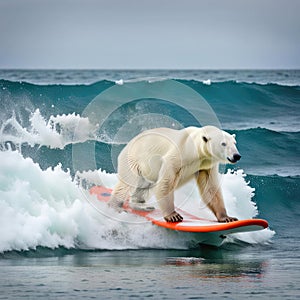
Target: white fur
point(160, 160)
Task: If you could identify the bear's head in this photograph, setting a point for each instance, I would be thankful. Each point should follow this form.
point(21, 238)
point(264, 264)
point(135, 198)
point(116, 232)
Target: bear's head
point(220, 145)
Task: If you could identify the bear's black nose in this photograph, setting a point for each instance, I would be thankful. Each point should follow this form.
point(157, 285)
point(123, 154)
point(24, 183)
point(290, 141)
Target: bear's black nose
point(236, 157)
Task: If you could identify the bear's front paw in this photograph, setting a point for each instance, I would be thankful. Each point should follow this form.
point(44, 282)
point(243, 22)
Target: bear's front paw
point(226, 219)
point(174, 217)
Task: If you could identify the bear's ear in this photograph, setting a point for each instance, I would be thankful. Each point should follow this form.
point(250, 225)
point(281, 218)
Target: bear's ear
point(233, 135)
point(205, 139)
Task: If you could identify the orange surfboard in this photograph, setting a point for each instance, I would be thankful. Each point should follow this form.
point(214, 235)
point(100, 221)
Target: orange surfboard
point(206, 231)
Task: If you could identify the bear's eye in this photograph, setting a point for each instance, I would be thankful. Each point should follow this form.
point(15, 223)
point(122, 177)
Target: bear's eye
point(223, 144)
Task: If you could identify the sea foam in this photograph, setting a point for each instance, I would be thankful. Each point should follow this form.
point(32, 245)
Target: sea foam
point(57, 132)
point(50, 209)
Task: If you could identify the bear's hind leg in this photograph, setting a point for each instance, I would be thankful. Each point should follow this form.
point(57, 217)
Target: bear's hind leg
point(119, 195)
point(139, 198)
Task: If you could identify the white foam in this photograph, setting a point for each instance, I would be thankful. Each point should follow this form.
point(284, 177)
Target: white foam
point(119, 82)
point(47, 208)
point(207, 82)
point(57, 132)
point(141, 79)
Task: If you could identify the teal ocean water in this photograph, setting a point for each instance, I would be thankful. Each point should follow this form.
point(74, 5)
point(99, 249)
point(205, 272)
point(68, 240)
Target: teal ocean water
point(61, 132)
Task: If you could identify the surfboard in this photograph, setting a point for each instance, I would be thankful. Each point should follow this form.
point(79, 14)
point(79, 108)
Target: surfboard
point(204, 231)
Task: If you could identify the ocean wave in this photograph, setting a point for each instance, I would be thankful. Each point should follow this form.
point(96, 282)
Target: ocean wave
point(67, 77)
point(277, 199)
point(266, 120)
point(47, 208)
point(122, 81)
point(267, 152)
point(264, 151)
point(278, 125)
point(100, 85)
point(44, 203)
point(237, 105)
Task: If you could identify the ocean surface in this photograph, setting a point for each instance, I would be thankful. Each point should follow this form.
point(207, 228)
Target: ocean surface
point(60, 134)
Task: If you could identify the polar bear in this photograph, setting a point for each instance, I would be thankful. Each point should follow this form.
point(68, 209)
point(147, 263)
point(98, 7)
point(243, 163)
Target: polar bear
point(160, 160)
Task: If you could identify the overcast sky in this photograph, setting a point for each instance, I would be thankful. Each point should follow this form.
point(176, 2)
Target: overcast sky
point(130, 34)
